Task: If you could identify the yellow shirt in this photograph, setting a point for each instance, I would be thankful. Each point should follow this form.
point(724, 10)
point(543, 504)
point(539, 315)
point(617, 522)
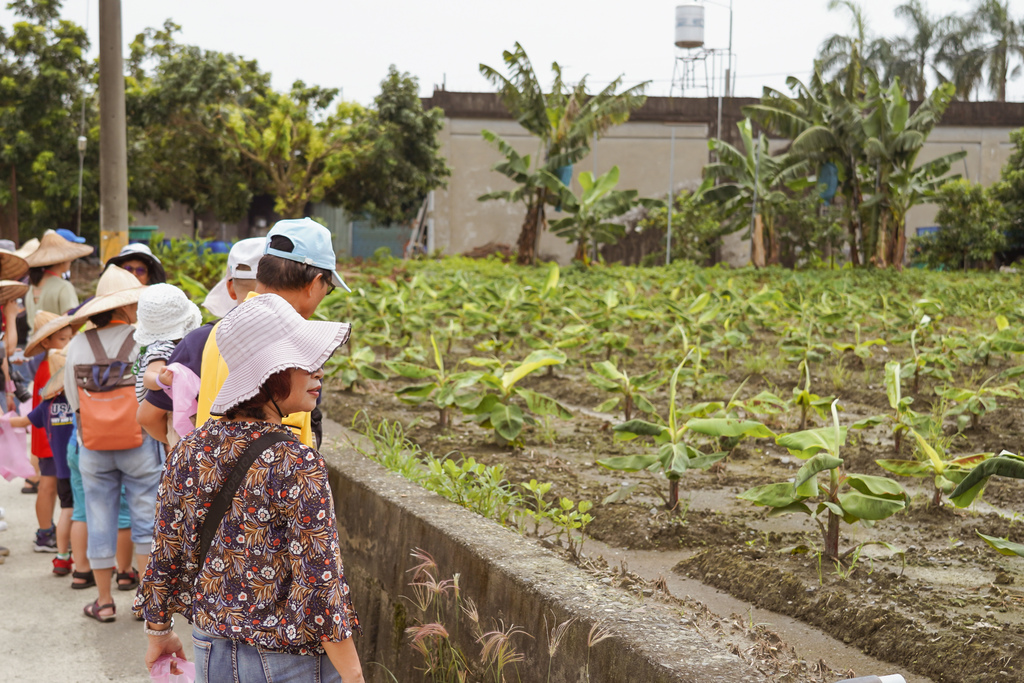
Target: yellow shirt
point(211, 379)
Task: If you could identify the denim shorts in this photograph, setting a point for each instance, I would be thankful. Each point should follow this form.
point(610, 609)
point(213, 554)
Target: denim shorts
point(124, 520)
point(103, 474)
point(222, 660)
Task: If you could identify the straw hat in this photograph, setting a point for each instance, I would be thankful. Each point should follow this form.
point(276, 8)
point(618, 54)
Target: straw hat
point(24, 250)
point(12, 266)
point(116, 288)
point(45, 324)
point(57, 359)
point(165, 313)
point(265, 335)
point(11, 290)
point(54, 249)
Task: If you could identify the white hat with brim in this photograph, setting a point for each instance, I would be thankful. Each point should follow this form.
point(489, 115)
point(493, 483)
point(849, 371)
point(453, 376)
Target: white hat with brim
point(11, 290)
point(165, 313)
point(45, 327)
point(116, 288)
point(264, 336)
point(57, 358)
point(218, 301)
point(54, 249)
point(12, 266)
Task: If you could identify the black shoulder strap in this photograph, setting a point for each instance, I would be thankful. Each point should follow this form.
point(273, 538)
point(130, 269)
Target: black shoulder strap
point(221, 502)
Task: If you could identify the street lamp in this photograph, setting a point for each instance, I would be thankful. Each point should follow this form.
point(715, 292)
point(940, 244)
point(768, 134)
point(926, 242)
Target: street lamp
point(82, 141)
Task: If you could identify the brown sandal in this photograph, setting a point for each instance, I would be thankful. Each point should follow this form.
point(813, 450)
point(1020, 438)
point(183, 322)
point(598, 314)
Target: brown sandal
point(87, 578)
point(131, 576)
point(93, 610)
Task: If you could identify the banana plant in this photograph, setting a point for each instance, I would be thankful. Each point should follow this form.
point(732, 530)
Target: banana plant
point(927, 361)
point(490, 396)
point(675, 453)
point(807, 401)
point(902, 419)
point(844, 498)
point(1006, 464)
point(972, 404)
point(1002, 340)
point(932, 462)
point(861, 349)
point(354, 367)
point(608, 377)
point(442, 388)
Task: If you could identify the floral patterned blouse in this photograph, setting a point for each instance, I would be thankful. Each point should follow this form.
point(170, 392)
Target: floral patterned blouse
point(273, 575)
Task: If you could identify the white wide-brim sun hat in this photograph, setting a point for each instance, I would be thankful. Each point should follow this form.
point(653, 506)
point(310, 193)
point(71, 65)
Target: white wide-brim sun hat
point(165, 313)
point(265, 335)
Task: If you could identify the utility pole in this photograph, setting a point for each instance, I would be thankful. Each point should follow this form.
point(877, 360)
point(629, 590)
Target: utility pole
point(113, 134)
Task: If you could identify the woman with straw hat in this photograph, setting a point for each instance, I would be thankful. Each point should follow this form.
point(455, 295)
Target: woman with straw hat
point(265, 559)
point(110, 456)
point(49, 266)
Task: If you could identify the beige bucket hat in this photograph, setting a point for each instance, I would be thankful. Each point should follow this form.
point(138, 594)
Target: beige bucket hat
point(57, 358)
point(44, 324)
point(54, 249)
point(11, 290)
point(116, 288)
point(265, 335)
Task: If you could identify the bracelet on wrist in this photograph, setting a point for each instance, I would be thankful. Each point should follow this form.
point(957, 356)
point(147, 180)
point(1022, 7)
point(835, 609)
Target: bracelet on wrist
point(160, 632)
point(165, 387)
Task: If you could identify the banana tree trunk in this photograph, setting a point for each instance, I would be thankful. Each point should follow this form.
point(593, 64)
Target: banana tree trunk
point(757, 256)
point(529, 235)
point(855, 225)
point(899, 242)
point(773, 242)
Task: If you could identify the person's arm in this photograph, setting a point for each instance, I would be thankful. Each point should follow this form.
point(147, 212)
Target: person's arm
point(345, 659)
point(153, 420)
point(169, 644)
point(154, 370)
point(18, 421)
point(10, 313)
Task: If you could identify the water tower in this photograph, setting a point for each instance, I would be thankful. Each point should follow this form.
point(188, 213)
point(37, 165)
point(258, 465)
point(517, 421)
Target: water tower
point(692, 72)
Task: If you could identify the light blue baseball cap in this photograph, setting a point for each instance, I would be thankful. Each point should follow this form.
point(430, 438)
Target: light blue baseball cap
point(312, 245)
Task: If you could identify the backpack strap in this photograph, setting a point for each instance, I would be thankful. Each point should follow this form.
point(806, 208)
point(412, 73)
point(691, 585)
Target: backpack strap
point(221, 502)
point(124, 354)
point(100, 353)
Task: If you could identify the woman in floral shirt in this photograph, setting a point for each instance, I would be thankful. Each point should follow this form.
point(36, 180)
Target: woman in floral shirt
point(270, 601)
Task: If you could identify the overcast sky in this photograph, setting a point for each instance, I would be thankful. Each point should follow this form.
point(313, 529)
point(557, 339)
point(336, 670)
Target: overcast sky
point(349, 45)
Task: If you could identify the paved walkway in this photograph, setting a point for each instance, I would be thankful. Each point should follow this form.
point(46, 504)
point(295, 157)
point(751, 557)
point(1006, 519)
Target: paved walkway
point(43, 634)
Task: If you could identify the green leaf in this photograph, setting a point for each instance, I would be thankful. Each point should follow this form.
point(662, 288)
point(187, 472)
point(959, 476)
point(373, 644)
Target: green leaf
point(772, 495)
point(1002, 545)
point(416, 393)
point(621, 494)
point(729, 427)
point(875, 486)
point(533, 362)
point(796, 507)
point(907, 468)
point(809, 471)
point(629, 463)
point(608, 370)
point(608, 405)
point(809, 442)
point(703, 461)
point(965, 492)
point(674, 458)
point(552, 281)
point(869, 422)
point(409, 370)
point(370, 372)
point(541, 404)
point(863, 506)
point(507, 421)
point(639, 428)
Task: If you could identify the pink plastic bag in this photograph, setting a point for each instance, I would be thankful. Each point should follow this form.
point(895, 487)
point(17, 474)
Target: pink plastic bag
point(161, 671)
point(184, 392)
point(14, 462)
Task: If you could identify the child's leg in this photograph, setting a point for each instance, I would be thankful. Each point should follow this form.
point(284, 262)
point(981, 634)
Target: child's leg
point(67, 504)
point(79, 544)
point(46, 499)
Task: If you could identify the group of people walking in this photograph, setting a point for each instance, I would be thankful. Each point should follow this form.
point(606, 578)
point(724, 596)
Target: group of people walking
point(189, 449)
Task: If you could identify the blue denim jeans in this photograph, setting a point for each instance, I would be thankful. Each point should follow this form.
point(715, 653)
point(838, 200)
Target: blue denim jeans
point(103, 474)
point(222, 660)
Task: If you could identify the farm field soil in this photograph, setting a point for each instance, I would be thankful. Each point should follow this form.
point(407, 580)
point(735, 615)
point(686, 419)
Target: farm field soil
point(949, 608)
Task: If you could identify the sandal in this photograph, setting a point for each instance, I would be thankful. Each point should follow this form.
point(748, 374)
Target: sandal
point(93, 609)
point(131, 576)
point(30, 486)
point(88, 580)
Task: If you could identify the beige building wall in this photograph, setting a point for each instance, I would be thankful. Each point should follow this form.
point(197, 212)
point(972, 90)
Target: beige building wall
point(643, 153)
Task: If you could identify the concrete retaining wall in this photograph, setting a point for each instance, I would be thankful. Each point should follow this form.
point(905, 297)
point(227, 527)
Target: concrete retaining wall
point(382, 517)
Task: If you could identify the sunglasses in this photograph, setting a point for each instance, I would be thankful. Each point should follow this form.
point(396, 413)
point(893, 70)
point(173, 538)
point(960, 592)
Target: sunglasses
point(136, 270)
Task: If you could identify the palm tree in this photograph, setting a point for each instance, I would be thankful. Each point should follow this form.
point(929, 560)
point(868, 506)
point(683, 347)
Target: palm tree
point(846, 56)
point(987, 47)
point(752, 174)
point(565, 120)
point(912, 54)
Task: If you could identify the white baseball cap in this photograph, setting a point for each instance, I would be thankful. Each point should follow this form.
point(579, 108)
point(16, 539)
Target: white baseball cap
point(265, 335)
point(243, 260)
